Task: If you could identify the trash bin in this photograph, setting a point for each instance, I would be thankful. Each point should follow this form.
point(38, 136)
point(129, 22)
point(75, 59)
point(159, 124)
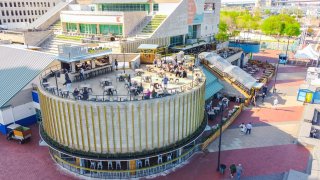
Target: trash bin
point(222, 168)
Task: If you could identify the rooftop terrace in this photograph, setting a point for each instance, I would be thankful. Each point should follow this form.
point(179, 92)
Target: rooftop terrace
point(113, 85)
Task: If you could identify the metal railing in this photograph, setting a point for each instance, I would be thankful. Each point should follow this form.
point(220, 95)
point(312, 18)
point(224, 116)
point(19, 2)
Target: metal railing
point(131, 173)
point(115, 97)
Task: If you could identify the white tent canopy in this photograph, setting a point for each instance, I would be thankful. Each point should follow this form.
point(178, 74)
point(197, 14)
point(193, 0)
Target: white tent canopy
point(307, 53)
point(234, 71)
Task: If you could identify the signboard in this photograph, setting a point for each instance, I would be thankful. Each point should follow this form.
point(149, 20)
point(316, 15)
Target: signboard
point(195, 11)
point(283, 59)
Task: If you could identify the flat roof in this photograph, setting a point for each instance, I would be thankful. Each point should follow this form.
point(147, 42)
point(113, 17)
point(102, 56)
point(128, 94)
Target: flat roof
point(83, 57)
point(148, 46)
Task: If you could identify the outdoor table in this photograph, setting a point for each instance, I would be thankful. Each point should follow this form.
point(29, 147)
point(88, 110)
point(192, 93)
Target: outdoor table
point(85, 86)
point(105, 81)
point(139, 72)
point(65, 93)
point(45, 84)
point(51, 88)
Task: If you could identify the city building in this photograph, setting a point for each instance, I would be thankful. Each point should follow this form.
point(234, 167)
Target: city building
point(19, 14)
point(182, 21)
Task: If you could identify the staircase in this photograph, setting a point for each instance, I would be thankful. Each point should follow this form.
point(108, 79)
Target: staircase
point(50, 17)
point(51, 45)
point(148, 30)
point(56, 27)
point(237, 85)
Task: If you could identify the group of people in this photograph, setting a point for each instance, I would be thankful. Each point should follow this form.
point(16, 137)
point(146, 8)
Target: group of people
point(84, 95)
point(173, 67)
point(245, 128)
point(234, 169)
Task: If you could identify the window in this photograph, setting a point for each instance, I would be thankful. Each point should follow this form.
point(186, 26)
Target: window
point(14, 4)
point(155, 7)
point(0, 22)
point(20, 13)
point(7, 13)
point(5, 4)
point(30, 4)
point(35, 12)
point(24, 12)
point(22, 4)
point(12, 14)
point(31, 12)
point(38, 4)
point(126, 7)
point(28, 12)
point(48, 4)
point(1, 5)
point(42, 11)
point(39, 12)
point(27, 3)
point(8, 20)
point(16, 13)
point(13, 20)
point(4, 21)
point(34, 4)
point(10, 4)
point(41, 4)
point(25, 20)
point(3, 14)
point(19, 4)
point(29, 20)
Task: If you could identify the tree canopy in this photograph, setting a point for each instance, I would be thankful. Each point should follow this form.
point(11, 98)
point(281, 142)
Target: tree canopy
point(281, 24)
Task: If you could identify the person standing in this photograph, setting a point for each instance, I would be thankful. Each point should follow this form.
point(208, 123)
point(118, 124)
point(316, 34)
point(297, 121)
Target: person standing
point(263, 96)
point(116, 63)
point(165, 81)
point(68, 81)
point(242, 128)
point(239, 170)
point(248, 127)
point(275, 103)
point(81, 74)
point(233, 170)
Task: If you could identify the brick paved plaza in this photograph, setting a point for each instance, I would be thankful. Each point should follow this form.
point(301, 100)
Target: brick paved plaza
point(267, 153)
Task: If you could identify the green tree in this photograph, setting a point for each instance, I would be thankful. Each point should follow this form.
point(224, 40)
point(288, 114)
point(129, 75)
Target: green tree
point(292, 30)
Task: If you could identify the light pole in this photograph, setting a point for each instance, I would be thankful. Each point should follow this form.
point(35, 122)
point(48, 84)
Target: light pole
point(124, 61)
point(220, 136)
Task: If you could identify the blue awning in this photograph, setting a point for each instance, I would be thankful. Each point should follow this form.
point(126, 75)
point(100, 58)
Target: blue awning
point(212, 84)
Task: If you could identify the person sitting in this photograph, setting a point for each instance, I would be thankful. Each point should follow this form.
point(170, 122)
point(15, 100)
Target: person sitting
point(177, 72)
point(85, 94)
point(154, 93)
point(140, 88)
point(110, 92)
point(76, 93)
point(148, 94)
point(184, 73)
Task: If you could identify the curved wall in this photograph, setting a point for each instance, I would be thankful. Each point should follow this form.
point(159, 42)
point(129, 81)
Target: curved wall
point(120, 127)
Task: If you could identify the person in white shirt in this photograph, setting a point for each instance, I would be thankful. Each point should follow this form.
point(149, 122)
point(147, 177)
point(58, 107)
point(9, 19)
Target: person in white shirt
point(275, 103)
point(248, 127)
point(242, 128)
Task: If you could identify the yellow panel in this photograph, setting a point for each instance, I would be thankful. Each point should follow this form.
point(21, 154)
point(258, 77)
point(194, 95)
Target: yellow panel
point(93, 129)
point(70, 125)
point(127, 130)
point(152, 124)
point(190, 113)
point(158, 120)
point(120, 133)
point(81, 127)
point(140, 133)
point(58, 122)
point(75, 124)
point(169, 123)
point(87, 127)
point(182, 128)
point(53, 119)
point(112, 120)
point(163, 125)
point(134, 141)
point(146, 119)
point(100, 133)
point(107, 129)
point(187, 114)
point(174, 120)
point(65, 122)
point(179, 119)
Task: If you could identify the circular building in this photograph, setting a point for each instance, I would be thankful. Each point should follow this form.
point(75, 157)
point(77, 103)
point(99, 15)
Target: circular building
point(115, 124)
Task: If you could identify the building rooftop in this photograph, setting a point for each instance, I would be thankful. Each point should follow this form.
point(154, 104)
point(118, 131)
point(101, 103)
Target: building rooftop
point(113, 86)
point(18, 68)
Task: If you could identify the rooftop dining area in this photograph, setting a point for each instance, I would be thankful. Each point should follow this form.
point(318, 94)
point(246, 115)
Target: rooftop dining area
point(101, 81)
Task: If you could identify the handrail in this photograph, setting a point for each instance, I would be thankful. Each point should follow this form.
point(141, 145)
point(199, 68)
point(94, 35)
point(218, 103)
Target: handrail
point(130, 170)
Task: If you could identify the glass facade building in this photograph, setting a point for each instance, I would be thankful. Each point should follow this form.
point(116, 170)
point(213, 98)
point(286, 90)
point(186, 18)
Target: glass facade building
point(127, 7)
